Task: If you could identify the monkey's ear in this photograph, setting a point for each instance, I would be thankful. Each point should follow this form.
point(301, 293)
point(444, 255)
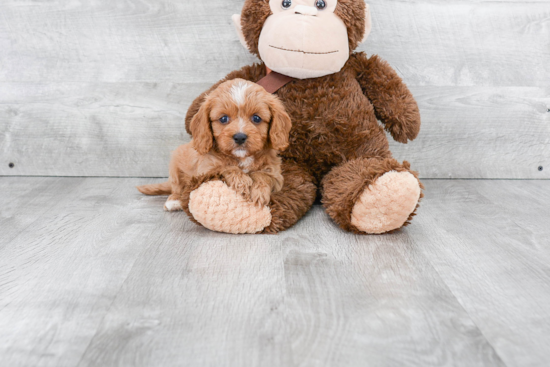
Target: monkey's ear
point(200, 129)
point(237, 23)
point(368, 23)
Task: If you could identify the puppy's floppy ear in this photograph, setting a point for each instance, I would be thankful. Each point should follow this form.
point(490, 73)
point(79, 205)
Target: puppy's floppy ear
point(280, 125)
point(200, 129)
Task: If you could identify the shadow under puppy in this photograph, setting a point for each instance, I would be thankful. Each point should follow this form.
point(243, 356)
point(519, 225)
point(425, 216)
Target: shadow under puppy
point(237, 133)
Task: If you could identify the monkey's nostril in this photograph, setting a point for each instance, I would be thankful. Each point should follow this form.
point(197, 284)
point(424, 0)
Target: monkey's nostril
point(240, 138)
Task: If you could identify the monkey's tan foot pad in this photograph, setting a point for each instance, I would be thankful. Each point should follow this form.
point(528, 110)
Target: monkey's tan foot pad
point(220, 209)
point(386, 204)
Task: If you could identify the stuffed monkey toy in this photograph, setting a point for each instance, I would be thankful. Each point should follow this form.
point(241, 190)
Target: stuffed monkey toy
point(335, 98)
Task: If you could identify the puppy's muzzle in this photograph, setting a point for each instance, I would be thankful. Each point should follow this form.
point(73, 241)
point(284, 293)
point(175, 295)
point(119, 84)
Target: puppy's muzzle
point(240, 138)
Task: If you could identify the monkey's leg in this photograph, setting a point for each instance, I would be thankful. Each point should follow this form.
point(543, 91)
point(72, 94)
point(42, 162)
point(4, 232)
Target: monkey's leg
point(371, 195)
point(294, 200)
point(211, 203)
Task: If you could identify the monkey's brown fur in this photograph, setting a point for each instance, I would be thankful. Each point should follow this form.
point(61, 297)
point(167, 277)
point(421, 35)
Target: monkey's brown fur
point(336, 143)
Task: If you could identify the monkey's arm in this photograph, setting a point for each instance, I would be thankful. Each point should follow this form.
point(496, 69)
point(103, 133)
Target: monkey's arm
point(252, 73)
point(393, 103)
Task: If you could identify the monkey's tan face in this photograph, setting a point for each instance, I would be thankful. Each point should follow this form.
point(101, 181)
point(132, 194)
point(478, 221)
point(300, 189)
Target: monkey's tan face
point(304, 38)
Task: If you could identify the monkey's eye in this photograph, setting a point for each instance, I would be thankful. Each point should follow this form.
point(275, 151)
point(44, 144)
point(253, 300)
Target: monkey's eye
point(224, 119)
point(286, 4)
point(256, 119)
point(320, 4)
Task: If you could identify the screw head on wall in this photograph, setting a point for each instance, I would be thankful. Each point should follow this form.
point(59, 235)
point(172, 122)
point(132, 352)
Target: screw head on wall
point(11, 165)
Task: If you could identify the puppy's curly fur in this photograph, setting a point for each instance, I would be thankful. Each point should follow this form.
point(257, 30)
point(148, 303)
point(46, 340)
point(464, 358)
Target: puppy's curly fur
point(235, 110)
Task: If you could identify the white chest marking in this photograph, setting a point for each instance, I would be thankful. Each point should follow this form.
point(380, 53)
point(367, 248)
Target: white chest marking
point(246, 163)
point(241, 153)
point(238, 93)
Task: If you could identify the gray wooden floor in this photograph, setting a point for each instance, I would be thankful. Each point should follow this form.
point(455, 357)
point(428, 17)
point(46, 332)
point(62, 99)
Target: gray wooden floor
point(94, 274)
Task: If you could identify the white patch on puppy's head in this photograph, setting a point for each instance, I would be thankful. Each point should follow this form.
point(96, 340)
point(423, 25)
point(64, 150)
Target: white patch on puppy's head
point(242, 125)
point(238, 92)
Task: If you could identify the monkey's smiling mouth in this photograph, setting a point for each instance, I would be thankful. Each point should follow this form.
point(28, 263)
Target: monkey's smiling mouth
point(305, 52)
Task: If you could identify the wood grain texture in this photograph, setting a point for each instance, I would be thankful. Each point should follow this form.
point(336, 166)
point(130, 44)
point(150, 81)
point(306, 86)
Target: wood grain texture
point(488, 240)
point(105, 277)
point(198, 298)
point(464, 43)
point(79, 129)
point(480, 132)
point(372, 301)
point(123, 41)
point(25, 200)
point(98, 88)
point(311, 296)
point(60, 274)
point(124, 129)
point(429, 42)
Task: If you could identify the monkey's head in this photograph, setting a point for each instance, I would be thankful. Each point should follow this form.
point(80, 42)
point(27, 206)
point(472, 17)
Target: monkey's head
point(303, 38)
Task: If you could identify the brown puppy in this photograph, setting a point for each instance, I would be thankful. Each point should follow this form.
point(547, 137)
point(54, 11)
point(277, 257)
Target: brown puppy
point(237, 133)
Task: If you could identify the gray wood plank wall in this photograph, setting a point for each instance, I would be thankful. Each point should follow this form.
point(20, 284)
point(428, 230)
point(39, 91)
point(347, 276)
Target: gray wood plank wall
point(100, 88)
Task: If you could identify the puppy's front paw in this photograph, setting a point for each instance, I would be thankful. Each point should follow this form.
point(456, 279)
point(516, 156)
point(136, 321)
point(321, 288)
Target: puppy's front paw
point(260, 195)
point(240, 183)
point(172, 205)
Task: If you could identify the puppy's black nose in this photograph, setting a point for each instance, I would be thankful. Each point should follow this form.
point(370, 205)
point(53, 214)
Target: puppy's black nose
point(240, 138)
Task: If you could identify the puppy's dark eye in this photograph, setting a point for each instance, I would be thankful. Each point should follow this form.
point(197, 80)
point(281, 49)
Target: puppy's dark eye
point(224, 119)
point(286, 4)
point(256, 119)
point(320, 4)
